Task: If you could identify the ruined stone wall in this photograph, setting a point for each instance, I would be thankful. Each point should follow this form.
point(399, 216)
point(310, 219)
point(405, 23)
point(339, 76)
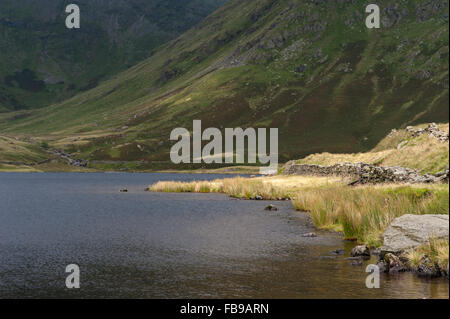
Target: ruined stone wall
point(364, 173)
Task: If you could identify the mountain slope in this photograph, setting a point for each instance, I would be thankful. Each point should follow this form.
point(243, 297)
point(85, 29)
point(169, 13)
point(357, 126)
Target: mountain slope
point(42, 62)
point(310, 68)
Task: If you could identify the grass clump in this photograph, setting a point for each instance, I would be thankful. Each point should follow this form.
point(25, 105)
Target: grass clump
point(437, 250)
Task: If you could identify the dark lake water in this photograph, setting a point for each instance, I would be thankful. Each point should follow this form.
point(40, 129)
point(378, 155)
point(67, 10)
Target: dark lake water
point(151, 245)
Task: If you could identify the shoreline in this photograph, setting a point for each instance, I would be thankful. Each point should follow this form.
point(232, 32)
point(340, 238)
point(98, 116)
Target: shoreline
point(335, 206)
point(230, 170)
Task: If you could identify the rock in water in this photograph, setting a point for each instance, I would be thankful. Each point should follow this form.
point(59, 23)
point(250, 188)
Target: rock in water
point(394, 264)
point(411, 231)
point(426, 268)
point(360, 251)
point(124, 190)
point(271, 208)
point(311, 235)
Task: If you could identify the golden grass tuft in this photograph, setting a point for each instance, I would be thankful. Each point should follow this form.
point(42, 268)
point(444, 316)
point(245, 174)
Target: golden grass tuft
point(269, 188)
point(437, 250)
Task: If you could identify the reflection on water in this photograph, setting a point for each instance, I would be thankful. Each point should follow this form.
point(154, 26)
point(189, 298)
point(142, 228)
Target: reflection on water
point(146, 245)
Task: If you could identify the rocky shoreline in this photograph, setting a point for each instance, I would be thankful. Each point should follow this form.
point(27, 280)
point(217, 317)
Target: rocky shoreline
point(404, 234)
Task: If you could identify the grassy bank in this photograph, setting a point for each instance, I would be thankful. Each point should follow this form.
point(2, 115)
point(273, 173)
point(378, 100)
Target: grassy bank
point(400, 148)
point(362, 213)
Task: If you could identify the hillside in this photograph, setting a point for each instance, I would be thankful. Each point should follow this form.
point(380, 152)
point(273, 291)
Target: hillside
point(310, 68)
point(42, 62)
point(403, 148)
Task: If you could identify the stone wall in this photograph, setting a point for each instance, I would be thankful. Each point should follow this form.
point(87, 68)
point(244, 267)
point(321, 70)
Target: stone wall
point(432, 130)
point(364, 173)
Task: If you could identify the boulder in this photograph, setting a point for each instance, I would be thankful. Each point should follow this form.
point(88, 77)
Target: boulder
point(360, 251)
point(411, 231)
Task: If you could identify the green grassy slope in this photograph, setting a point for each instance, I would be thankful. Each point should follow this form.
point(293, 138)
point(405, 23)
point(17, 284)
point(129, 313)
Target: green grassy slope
point(42, 62)
point(310, 68)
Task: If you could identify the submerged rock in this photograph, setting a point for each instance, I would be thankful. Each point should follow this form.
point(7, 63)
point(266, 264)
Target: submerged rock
point(411, 231)
point(271, 208)
point(338, 252)
point(357, 263)
point(311, 235)
point(360, 251)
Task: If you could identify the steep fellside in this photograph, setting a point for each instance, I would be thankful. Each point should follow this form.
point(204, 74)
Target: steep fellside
point(310, 68)
point(42, 62)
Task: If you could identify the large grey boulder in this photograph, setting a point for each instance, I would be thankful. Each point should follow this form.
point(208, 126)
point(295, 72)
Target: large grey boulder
point(411, 231)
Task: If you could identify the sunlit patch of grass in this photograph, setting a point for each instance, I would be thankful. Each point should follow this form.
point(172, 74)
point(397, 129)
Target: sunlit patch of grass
point(365, 212)
point(268, 188)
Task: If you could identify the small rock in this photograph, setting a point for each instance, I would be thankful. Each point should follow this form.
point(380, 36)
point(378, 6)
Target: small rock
point(357, 263)
point(124, 190)
point(338, 252)
point(427, 269)
point(257, 197)
point(382, 265)
point(352, 258)
point(362, 251)
point(311, 235)
point(271, 208)
point(394, 263)
point(300, 69)
point(376, 252)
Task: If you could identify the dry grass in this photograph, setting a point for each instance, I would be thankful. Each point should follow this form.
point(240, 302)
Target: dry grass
point(434, 155)
point(269, 188)
point(437, 250)
point(15, 150)
point(363, 213)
